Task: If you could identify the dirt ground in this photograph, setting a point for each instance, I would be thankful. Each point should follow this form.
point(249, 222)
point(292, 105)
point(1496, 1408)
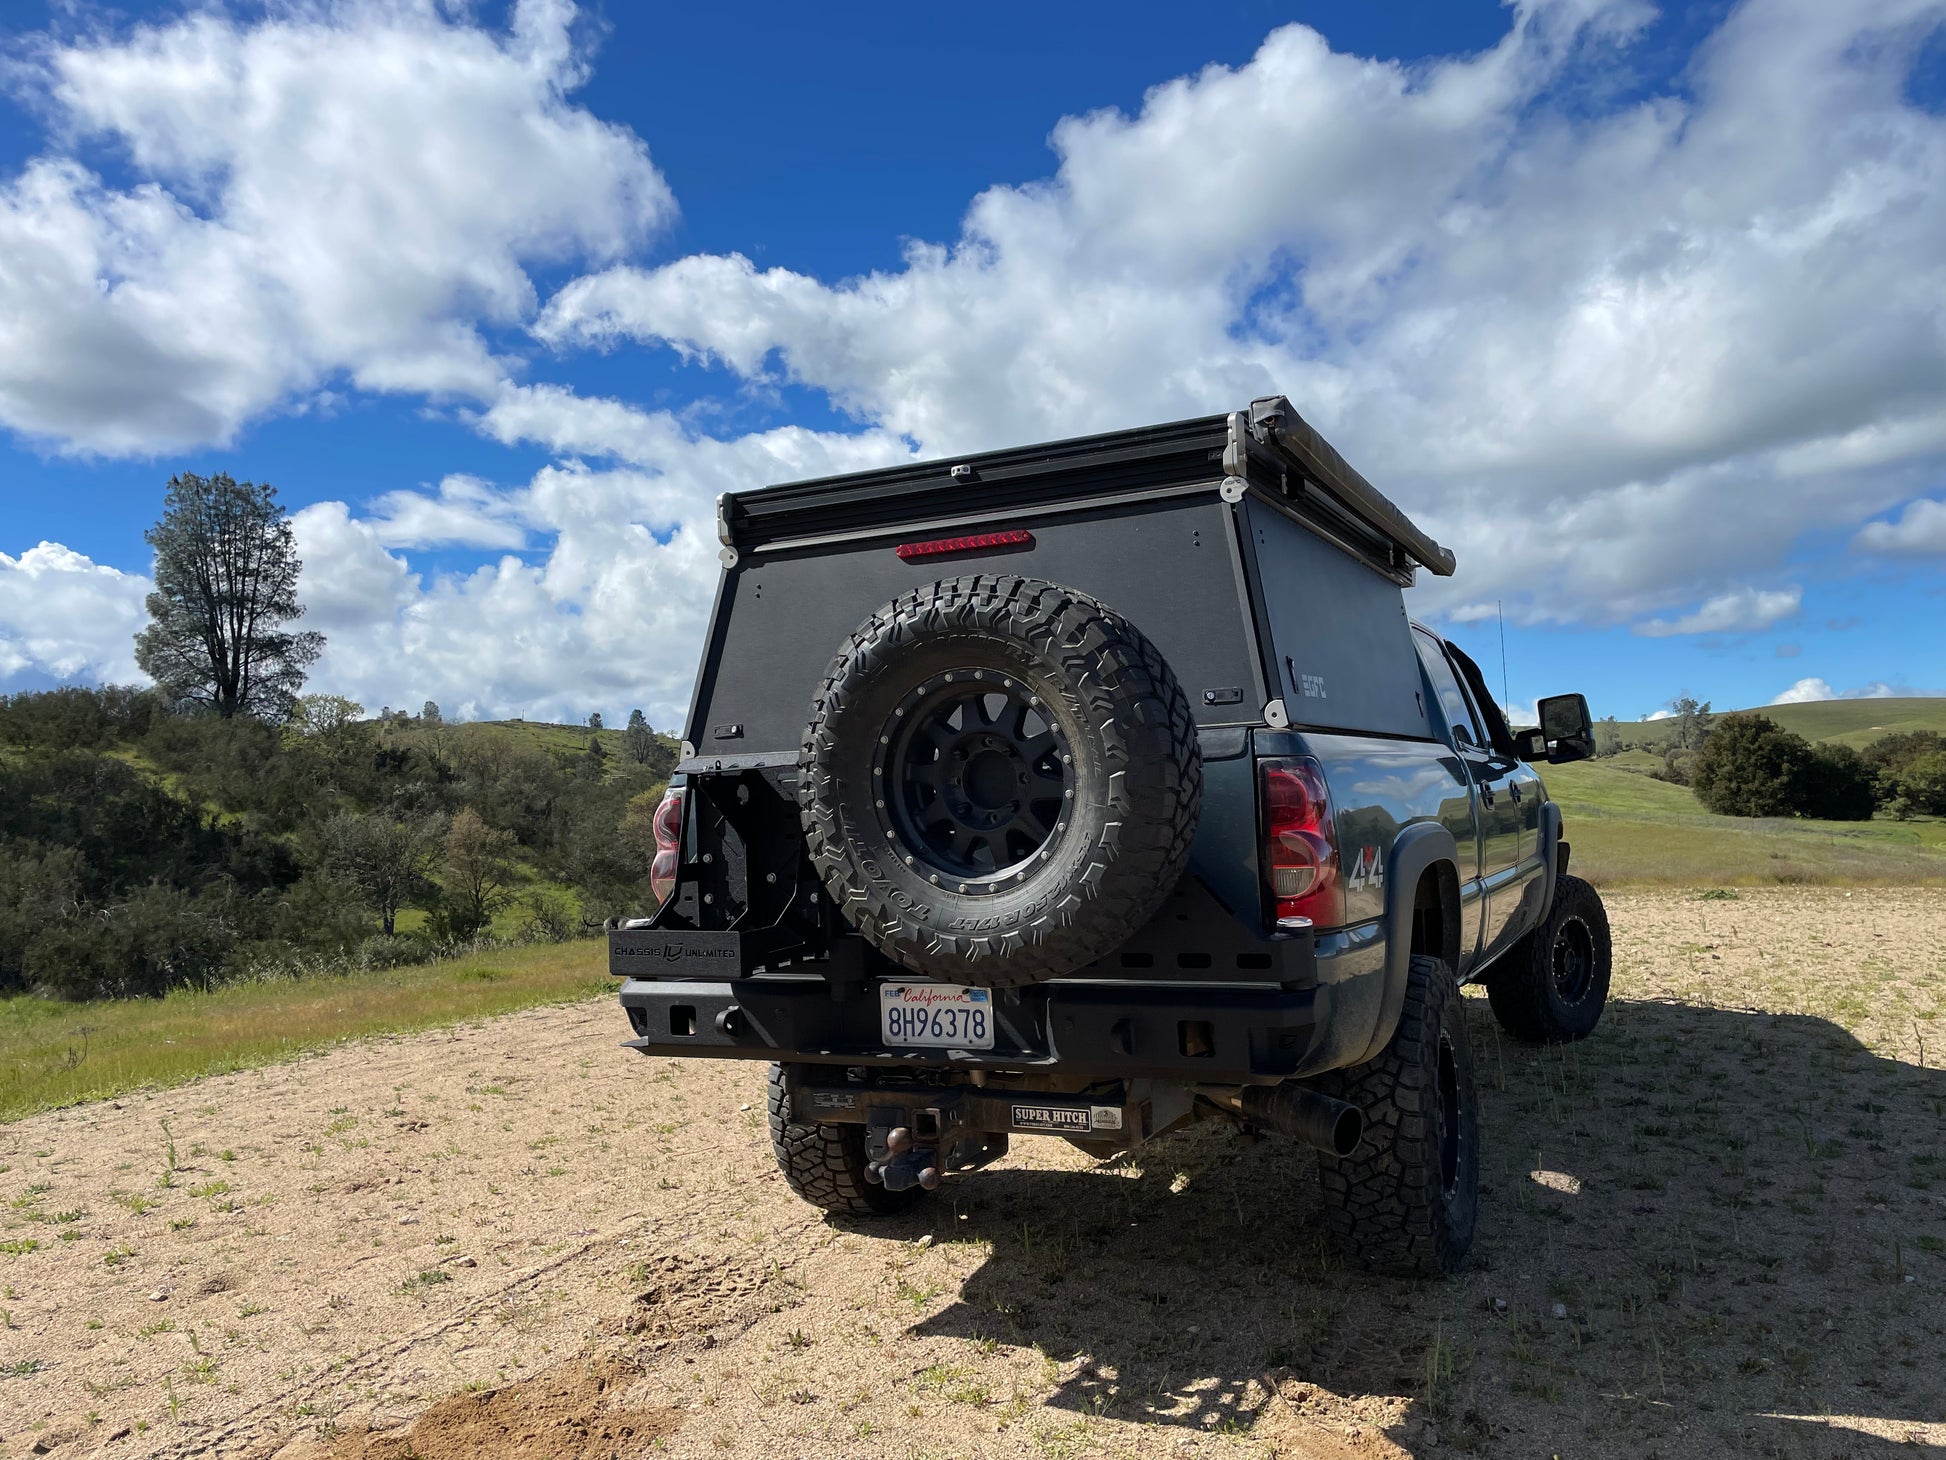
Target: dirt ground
point(1718, 1228)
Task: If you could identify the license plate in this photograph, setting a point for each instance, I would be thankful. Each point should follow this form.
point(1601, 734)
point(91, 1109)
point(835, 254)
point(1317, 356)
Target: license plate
point(935, 1016)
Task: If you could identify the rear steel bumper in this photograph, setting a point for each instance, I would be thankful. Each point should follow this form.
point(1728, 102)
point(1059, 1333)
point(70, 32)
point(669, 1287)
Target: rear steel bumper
point(1202, 1032)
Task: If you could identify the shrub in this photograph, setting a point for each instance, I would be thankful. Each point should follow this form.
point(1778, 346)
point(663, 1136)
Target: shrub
point(1752, 766)
point(394, 950)
point(550, 918)
point(1838, 785)
point(156, 940)
point(1922, 782)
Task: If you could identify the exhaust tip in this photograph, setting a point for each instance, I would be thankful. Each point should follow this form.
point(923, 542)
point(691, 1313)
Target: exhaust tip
point(1347, 1131)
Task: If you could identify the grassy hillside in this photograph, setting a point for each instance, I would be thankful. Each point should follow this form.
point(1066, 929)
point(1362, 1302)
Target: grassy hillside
point(1854, 722)
point(559, 741)
point(1627, 829)
point(58, 1053)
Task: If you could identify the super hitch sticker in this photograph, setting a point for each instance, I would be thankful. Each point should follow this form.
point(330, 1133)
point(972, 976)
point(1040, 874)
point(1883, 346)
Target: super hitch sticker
point(1049, 1117)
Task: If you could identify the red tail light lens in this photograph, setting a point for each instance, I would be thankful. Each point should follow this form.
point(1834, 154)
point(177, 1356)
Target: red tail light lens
point(668, 845)
point(978, 542)
point(1301, 843)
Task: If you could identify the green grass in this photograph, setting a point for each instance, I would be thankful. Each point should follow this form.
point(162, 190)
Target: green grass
point(55, 1054)
point(1627, 829)
point(1855, 722)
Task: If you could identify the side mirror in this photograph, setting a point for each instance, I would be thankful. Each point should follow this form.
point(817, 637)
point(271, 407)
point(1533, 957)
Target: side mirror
point(1530, 745)
point(1567, 731)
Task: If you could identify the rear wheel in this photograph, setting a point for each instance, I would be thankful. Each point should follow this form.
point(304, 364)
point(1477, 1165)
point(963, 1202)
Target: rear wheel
point(1407, 1199)
point(825, 1164)
point(1551, 987)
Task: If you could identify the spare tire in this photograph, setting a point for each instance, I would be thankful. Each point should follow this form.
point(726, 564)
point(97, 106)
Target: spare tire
point(1000, 780)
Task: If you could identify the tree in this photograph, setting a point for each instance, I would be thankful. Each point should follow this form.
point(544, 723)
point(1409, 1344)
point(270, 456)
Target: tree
point(1608, 736)
point(1693, 722)
point(638, 740)
point(1839, 785)
point(1922, 784)
point(389, 862)
point(1752, 766)
point(594, 722)
point(479, 870)
point(324, 714)
point(594, 760)
point(429, 715)
point(226, 571)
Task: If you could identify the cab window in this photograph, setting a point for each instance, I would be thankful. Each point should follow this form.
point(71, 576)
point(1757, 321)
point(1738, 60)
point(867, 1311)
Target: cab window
point(1453, 703)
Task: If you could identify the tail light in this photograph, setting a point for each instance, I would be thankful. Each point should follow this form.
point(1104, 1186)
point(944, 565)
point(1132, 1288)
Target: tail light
point(668, 845)
point(1301, 843)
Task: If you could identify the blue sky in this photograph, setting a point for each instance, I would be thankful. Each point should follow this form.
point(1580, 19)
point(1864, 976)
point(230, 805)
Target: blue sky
point(1645, 312)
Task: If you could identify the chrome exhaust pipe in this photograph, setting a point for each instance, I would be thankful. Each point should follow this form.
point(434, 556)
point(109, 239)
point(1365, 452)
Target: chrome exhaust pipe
point(1305, 1115)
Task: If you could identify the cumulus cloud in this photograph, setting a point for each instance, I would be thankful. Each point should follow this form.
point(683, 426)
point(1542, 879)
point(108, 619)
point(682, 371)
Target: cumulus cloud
point(1741, 611)
point(65, 616)
point(1579, 348)
point(462, 511)
point(1919, 531)
point(1620, 356)
point(1814, 688)
point(353, 190)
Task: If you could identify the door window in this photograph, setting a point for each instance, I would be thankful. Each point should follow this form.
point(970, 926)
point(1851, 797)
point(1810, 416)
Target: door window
point(1446, 689)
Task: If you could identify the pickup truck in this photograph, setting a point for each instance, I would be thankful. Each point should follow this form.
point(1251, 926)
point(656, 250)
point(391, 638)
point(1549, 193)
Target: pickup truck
point(1094, 788)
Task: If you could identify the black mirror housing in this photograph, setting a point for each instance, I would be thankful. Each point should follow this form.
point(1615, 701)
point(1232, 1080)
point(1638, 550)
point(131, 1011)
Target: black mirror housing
point(1567, 730)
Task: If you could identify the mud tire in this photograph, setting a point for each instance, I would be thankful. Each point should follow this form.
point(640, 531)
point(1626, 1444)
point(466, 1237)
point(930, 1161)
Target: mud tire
point(825, 1164)
point(1551, 987)
point(1116, 840)
point(1407, 1200)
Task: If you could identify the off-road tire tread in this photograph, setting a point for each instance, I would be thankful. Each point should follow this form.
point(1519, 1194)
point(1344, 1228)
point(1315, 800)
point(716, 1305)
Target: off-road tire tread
point(825, 1164)
point(1520, 987)
point(1146, 826)
point(1383, 1203)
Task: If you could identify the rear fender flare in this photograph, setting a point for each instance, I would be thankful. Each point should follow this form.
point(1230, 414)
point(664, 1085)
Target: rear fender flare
point(1418, 847)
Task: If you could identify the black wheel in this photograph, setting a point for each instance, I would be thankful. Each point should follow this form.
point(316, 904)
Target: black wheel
point(1407, 1199)
point(999, 781)
point(1551, 987)
point(825, 1164)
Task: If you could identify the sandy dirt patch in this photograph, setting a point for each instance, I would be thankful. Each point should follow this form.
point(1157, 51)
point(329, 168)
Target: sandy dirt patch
point(1717, 1228)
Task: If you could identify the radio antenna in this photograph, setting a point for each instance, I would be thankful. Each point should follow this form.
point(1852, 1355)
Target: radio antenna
point(1506, 695)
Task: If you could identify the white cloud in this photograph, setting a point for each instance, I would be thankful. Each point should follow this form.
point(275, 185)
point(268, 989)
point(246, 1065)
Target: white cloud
point(1814, 688)
point(1581, 349)
point(65, 616)
point(353, 188)
point(1620, 357)
point(1805, 691)
point(1920, 530)
point(462, 511)
point(1741, 611)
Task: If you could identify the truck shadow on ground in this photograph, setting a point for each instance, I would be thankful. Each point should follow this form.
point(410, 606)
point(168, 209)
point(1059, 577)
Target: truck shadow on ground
point(1702, 1231)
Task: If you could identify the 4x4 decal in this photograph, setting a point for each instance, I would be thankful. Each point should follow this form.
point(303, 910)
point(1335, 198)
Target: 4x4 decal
point(1368, 870)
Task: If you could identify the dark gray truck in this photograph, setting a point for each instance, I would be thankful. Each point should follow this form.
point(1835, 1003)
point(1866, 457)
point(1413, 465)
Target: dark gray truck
point(1093, 788)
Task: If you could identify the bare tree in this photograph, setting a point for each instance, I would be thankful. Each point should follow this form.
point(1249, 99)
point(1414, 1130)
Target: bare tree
point(226, 569)
point(479, 872)
point(389, 862)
